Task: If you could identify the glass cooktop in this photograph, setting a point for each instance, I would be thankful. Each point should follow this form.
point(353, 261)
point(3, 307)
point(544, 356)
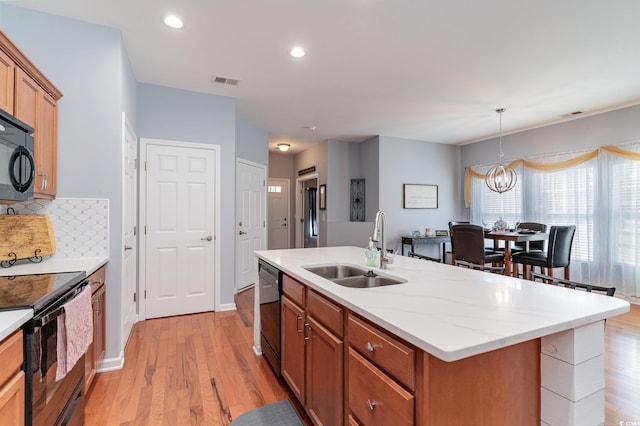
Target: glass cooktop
point(36, 291)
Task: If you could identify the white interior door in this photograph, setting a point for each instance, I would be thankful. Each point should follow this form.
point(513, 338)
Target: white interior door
point(278, 236)
point(129, 222)
point(251, 219)
point(180, 209)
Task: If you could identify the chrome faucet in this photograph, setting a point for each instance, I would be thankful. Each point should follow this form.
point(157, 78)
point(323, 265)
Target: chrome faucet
point(378, 228)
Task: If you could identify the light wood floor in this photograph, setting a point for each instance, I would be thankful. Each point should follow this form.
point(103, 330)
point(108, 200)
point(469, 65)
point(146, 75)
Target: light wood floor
point(201, 369)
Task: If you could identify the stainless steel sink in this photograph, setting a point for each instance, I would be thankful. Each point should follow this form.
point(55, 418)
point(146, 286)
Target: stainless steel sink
point(331, 272)
point(353, 276)
point(363, 281)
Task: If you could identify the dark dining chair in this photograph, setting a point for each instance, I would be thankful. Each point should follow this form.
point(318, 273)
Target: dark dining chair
point(590, 288)
point(558, 254)
point(423, 257)
point(468, 241)
point(488, 250)
point(533, 245)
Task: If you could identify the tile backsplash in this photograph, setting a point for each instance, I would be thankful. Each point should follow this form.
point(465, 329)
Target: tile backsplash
point(80, 226)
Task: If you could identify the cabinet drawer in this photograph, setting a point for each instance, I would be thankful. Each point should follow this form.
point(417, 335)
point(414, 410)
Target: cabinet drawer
point(294, 290)
point(11, 356)
point(374, 398)
point(383, 350)
point(97, 279)
point(325, 312)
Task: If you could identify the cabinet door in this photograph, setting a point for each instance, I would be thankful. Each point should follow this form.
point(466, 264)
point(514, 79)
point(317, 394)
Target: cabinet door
point(293, 347)
point(89, 356)
point(27, 99)
point(324, 375)
point(7, 74)
point(46, 147)
point(12, 401)
point(39, 110)
point(99, 326)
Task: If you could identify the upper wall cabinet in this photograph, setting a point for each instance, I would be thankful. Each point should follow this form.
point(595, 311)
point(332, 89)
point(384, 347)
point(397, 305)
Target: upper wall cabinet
point(31, 97)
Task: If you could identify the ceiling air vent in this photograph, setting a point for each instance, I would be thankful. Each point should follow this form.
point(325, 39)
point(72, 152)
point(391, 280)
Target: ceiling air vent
point(225, 80)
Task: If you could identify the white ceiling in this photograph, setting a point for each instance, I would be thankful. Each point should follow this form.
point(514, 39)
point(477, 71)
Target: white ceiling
point(418, 69)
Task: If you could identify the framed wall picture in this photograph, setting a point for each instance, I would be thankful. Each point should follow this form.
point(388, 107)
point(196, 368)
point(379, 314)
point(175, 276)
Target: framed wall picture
point(416, 196)
point(322, 197)
point(356, 207)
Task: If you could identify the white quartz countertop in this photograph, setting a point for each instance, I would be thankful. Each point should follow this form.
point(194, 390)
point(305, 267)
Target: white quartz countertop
point(450, 312)
point(10, 321)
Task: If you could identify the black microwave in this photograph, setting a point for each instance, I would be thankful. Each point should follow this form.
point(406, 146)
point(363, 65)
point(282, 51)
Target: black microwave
point(17, 166)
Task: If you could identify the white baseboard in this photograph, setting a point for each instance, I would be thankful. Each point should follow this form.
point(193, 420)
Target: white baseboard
point(257, 350)
point(111, 364)
point(227, 307)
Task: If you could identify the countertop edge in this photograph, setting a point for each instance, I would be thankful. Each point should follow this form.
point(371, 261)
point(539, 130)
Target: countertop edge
point(10, 321)
point(445, 355)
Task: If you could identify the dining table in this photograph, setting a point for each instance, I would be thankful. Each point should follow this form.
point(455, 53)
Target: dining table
point(513, 237)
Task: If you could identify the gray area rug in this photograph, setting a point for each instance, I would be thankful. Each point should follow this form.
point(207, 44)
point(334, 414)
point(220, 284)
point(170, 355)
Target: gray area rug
point(279, 413)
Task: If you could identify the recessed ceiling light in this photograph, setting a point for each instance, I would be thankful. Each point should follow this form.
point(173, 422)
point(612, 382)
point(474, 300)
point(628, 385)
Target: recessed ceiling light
point(312, 128)
point(283, 146)
point(297, 52)
point(173, 21)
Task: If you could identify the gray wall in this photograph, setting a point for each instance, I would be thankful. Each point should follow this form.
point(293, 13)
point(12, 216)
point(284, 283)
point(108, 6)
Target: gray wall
point(609, 128)
point(410, 161)
point(89, 65)
point(180, 115)
point(252, 143)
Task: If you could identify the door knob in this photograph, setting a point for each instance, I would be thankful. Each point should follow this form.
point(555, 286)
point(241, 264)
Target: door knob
point(207, 238)
point(242, 233)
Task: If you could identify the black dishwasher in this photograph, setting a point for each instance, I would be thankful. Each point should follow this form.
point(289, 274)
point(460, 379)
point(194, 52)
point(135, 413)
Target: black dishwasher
point(270, 295)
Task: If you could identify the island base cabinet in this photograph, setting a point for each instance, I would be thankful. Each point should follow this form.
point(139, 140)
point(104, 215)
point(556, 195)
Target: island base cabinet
point(500, 387)
point(374, 398)
point(324, 375)
point(292, 341)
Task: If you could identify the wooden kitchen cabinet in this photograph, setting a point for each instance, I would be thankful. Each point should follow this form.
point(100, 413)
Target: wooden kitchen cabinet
point(95, 353)
point(381, 376)
point(39, 110)
point(7, 76)
point(312, 351)
point(12, 384)
point(32, 98)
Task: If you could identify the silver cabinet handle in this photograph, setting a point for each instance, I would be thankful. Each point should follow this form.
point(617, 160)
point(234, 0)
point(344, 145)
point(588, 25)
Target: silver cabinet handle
point(207, 238)
point(370, 347)
point(128, 248)
point(242, 233)
point(370, 405)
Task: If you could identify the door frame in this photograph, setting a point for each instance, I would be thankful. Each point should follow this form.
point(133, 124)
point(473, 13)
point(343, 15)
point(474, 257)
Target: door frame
point(142, 280)
point(263, 168)
point(288, 198)
point(125, 298)
point(299, 189)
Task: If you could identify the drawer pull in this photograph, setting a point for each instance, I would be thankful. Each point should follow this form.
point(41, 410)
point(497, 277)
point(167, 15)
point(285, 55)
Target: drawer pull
point(307, 327)
point(370, 405)
point(370, 347)
point(298, 319)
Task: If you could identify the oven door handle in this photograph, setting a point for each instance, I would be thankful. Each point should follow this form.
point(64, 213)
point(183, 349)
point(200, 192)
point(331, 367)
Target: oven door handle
point(46, 318)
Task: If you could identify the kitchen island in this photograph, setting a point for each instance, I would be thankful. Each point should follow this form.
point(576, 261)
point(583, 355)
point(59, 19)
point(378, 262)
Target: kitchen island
point(550, 340)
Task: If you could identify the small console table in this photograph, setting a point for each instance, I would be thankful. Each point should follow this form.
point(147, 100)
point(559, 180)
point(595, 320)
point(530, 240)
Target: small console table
point(413, 241)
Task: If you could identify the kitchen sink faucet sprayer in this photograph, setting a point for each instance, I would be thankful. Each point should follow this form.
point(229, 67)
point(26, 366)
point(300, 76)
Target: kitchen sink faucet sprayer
point(378, 229)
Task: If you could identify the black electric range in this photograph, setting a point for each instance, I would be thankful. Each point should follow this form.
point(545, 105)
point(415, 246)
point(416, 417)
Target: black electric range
point(36, 291)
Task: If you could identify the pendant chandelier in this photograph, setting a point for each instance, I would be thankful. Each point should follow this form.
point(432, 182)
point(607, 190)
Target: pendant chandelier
point(501, 178)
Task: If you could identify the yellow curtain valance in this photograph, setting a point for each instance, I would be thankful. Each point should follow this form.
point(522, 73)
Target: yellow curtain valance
point(549, 167)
